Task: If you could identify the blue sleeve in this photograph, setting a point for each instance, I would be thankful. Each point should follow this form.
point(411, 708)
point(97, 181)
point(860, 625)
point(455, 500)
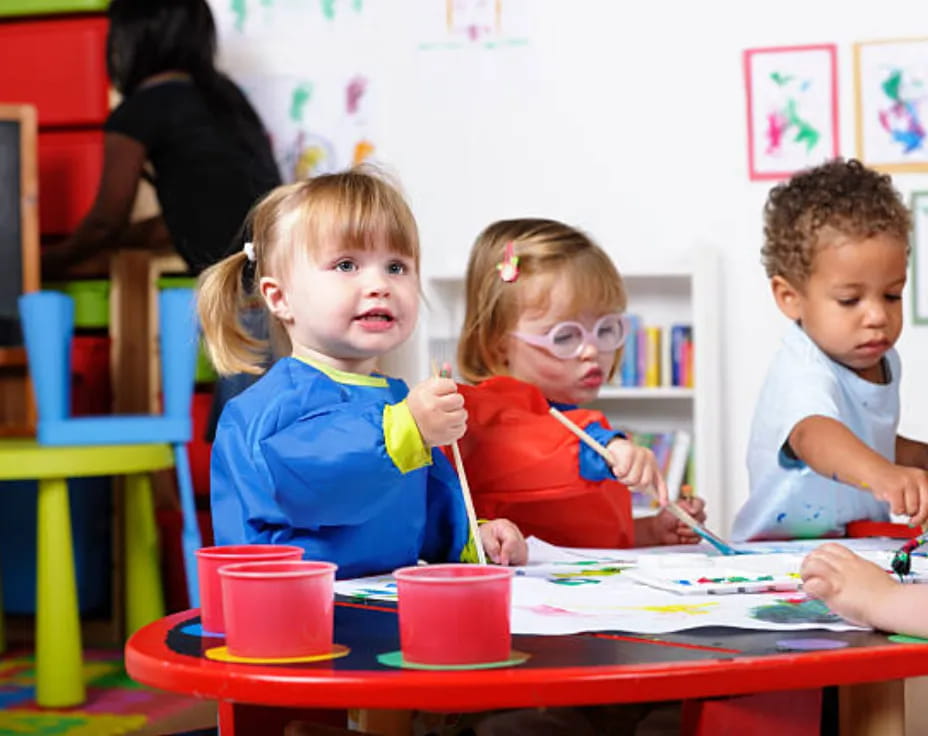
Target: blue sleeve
point(446, 528)
point(332, 466)
point(592, 465)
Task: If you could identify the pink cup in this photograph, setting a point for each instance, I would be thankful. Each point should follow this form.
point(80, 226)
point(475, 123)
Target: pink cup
point(279, 609)
point(454, 614)
point(210, 559)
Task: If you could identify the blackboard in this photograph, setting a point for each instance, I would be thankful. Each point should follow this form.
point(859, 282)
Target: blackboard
point(19, 250)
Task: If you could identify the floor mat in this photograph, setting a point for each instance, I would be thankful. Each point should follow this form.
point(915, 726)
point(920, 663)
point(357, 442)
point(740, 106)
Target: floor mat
point(115, 703)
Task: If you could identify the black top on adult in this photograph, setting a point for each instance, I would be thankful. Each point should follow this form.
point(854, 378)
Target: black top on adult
point(210, 155)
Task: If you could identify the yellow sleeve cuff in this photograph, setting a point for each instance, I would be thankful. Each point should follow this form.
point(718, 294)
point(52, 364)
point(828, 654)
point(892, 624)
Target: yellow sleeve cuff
point(469, 553)
point(403, 440)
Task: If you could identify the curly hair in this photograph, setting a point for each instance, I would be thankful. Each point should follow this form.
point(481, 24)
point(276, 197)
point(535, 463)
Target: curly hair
point(838, 197)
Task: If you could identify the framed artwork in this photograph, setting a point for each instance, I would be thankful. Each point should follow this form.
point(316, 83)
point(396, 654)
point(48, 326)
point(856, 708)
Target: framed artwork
point(919, 258)
point(890, 79)
point(792, 100)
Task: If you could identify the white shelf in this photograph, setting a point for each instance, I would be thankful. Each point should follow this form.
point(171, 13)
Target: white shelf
point(645, 392)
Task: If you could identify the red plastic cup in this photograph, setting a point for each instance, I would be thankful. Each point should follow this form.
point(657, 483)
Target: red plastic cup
point(278, 609)
point(210, 559)
point(454, 614)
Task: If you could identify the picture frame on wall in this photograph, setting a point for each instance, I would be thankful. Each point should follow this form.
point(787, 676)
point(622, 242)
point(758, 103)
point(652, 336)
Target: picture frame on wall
point(891, 106)
point(919, 257)
point(792, 108)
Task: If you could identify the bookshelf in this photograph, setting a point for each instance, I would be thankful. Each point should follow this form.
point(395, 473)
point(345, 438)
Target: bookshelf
point(662, 294)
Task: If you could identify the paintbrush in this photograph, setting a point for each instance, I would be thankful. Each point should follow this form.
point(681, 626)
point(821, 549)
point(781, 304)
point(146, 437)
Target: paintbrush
point(716, 541)
point(465, 486)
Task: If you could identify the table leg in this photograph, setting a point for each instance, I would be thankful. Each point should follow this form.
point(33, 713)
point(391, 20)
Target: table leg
point(872, 709)
point(144, 597)
point(59, 670)
point(385, 722)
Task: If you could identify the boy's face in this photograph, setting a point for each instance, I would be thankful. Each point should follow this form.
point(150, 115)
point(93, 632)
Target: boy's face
point(346, 308)
point(851, 304)
point(571, 381)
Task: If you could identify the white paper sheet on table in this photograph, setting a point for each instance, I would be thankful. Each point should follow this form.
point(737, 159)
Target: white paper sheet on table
point(567, 591)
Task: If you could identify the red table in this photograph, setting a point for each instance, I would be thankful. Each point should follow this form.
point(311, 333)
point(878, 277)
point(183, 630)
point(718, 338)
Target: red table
point(563, 670)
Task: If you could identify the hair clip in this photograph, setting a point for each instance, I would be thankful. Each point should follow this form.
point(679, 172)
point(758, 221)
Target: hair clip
point(249, 249)
point(509, 267)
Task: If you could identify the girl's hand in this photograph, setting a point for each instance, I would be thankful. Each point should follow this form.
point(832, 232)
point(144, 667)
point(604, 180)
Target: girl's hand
point(439, 411)
point(848, 584)
point(668, 529)
point(637, 466)
point(503, 542)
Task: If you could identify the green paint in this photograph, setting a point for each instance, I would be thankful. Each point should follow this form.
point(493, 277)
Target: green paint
point(358, 5)
point(891, 85)
point(806, 132)
point(240, 10)
point(903, 639)
point(298, 100)
point(781, 79)
point(792, 611)
point(328, 9)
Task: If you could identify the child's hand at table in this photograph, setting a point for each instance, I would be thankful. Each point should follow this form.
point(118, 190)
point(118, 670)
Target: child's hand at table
point(668, 529)
point(439, 411)
point(906, 491)
point(847, 583)
point(636, 466)
point(503, 542)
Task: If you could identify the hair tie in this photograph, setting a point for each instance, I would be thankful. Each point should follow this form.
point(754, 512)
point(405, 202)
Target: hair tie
point(509, 267)
point(249, 249)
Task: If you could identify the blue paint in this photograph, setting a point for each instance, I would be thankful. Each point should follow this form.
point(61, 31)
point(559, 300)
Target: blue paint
point(810, 645)
point(198, 630)
point(780, 517)
point(717, 542)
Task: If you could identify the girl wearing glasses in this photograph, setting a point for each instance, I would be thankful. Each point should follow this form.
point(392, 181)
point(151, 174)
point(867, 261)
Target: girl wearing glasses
point(544, 327)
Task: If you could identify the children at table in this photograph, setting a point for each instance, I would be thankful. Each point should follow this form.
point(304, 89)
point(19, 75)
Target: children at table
point(324, 451)
point(544, 327)
point(824, 448)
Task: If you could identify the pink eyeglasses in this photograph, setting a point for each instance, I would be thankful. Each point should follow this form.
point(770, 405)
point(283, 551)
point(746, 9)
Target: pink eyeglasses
point(566, 339)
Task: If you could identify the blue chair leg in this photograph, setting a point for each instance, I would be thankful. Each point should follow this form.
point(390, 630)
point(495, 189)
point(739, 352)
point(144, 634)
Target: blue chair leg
point(190, 533)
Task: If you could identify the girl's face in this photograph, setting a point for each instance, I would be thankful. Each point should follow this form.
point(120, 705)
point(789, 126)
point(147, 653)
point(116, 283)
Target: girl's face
point(344, 307)
point(571, 381)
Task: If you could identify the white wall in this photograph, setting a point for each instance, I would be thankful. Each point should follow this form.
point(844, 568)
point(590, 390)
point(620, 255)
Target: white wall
point(627, 119)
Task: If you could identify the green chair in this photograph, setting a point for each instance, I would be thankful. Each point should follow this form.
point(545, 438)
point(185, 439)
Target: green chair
point(58, 656)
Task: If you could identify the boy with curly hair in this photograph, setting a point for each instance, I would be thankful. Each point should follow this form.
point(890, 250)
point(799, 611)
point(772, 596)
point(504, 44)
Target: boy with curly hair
point(823, 449)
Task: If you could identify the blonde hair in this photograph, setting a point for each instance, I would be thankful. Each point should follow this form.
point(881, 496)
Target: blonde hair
point(358, 209)
point(545, 248)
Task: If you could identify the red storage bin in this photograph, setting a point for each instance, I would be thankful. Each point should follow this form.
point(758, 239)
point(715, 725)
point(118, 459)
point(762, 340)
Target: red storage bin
point(90, 375)
point(199, 449)
point(70, 164)
point(58, 65)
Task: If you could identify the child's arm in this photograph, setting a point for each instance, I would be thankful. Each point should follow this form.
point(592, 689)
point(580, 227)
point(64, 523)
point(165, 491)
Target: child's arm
point(861, 592)
point(637, 466)
point(911, 452)
point(832, 450)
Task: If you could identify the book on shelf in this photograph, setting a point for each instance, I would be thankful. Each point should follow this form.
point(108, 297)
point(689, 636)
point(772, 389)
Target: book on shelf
point(673, 452)
point(650, 358)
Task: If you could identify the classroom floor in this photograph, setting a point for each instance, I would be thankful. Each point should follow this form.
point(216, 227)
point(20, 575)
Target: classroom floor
point(115, 703)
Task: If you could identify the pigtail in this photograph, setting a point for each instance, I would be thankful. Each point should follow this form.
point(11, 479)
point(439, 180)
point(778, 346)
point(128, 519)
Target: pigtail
point(220, 298)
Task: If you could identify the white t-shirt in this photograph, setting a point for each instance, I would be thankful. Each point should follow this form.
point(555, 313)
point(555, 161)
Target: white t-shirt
point(788, 499)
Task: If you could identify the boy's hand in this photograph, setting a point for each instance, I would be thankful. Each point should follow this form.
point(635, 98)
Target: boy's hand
point(906, 490)
point(503, 542)
point(439, 411)
point(668, 529)
point(848, 584)
point(636, 466)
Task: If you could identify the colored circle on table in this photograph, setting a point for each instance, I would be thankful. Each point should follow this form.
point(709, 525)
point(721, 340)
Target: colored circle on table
point(395, 659)
point(198, 630)
point(903, 639)
point(810, 645)
point(222, 654)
